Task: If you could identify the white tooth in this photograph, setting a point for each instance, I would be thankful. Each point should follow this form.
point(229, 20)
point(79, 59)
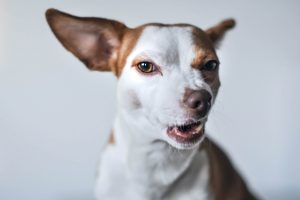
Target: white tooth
point(198, 129)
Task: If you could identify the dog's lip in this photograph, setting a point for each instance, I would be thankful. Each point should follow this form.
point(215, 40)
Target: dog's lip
point(186, 133)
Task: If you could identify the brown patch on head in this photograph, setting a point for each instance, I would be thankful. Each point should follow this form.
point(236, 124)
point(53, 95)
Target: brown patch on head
point(205, 51)
point(205, 43)
point(203, 47)
point(129, 41)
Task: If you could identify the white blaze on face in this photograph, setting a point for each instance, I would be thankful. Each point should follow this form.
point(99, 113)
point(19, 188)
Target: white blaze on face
point(159, 96)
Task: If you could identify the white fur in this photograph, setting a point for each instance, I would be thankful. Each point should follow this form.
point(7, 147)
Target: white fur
point(145, 164)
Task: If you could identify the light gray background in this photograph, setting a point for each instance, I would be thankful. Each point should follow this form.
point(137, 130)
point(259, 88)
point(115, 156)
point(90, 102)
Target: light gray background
point(55, 114)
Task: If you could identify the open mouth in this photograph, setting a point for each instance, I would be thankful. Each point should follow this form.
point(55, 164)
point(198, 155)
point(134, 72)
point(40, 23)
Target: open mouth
point(187, 133)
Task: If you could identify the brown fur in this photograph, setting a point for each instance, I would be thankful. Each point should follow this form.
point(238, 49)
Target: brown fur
point(217, 32)
point(95, 41)
point(129, 41)
point(111, 138)
point(203, 47)
point(226, 183)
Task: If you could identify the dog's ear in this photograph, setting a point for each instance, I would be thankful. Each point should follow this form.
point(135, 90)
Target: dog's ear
point(217, 32)
point(95, 41)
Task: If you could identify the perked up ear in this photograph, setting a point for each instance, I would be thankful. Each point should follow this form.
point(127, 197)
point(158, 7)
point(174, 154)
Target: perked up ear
point(217, 32)
point(95, 41)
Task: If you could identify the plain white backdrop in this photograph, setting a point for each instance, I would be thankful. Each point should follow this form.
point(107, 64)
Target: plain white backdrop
point(55, 115)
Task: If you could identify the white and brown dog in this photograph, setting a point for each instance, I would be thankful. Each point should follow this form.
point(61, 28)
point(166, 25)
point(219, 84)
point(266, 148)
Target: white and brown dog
point(167, 82)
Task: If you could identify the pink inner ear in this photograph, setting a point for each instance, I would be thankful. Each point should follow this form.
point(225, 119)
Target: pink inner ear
point(93, 48)
point(86, 43)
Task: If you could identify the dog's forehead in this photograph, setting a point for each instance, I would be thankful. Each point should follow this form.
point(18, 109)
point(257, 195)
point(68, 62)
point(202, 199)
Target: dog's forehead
point(169, 42)
point(154, 37)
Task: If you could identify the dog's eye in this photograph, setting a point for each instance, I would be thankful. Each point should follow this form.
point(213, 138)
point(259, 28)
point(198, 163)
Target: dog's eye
point(146, 67)
point(210, 65)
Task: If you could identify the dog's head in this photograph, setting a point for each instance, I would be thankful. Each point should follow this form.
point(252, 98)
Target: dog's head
point(168, 74)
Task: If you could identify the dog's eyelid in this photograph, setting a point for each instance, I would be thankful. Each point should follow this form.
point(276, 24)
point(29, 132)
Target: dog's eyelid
point(140, 59)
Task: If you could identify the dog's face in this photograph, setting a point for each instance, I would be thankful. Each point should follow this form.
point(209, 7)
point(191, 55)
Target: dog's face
point(168, 74)
point(171, 78)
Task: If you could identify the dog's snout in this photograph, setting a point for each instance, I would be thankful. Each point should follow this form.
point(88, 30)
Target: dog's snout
point(198, 101)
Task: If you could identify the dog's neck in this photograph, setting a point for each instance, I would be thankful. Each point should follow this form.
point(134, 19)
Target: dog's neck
point(154, 165)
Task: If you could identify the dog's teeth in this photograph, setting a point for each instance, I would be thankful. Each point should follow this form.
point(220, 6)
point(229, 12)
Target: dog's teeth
point(193, 128)
point(199, 127)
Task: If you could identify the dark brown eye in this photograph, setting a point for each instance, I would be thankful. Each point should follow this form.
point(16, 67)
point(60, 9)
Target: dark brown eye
point(146, 67)
point(210, 65)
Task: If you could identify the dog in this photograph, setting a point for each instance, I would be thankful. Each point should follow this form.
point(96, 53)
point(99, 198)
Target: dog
point(167, 83)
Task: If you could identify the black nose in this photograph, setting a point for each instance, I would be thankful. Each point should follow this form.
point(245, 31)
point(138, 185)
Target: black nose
point(198, 101)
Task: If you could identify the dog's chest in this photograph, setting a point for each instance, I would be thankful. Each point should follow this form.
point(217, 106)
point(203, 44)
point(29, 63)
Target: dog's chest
point(117, 180)
point(113, 182)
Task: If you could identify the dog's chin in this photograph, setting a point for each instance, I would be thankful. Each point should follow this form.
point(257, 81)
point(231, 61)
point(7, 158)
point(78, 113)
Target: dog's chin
point(185, 136)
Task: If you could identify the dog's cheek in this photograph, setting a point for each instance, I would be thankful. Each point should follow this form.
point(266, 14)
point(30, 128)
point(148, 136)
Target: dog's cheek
point(134, 100)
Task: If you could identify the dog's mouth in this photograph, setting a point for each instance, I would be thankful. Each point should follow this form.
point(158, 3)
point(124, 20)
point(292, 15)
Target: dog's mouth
point(186, 133)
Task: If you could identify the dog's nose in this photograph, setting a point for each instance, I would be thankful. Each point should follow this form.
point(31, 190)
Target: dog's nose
point(198, 101)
